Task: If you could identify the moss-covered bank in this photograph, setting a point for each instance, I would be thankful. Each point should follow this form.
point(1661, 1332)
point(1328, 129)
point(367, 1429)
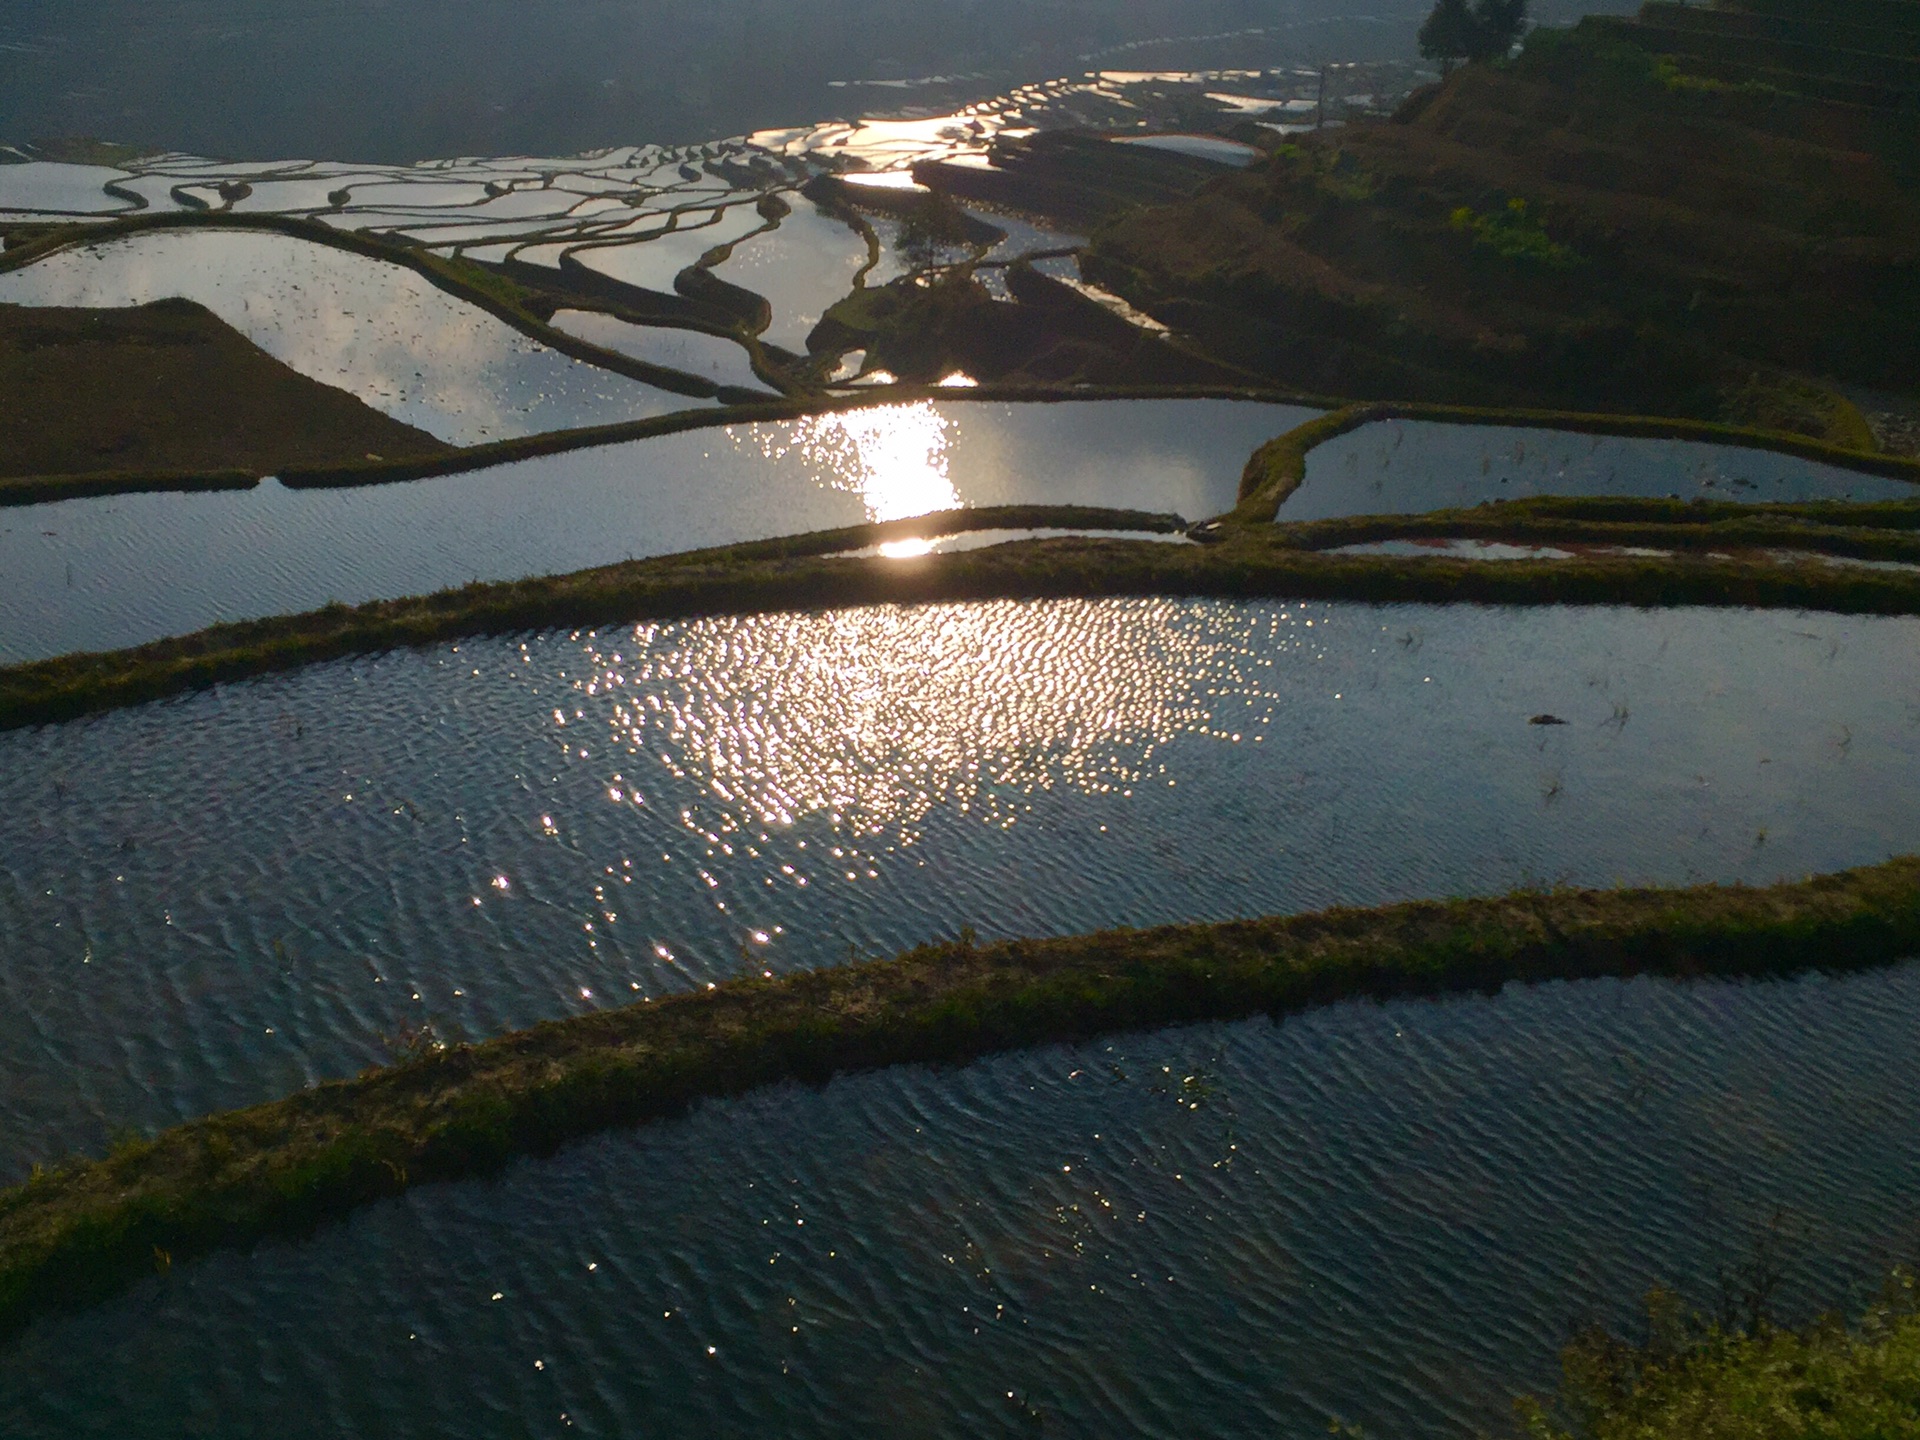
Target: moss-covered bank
point(1693, 1378)
point(803, 574)
point(86, 1230)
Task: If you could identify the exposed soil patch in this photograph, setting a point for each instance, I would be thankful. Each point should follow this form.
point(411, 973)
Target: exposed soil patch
point(168, 386)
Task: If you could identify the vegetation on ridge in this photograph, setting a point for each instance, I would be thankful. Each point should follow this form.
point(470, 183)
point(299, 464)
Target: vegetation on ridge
point(1734, 1377)
point(1245, 562)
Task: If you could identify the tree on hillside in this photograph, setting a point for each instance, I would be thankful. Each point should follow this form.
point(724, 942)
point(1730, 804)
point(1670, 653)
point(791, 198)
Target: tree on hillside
point(1484, 31)
point(1447, 34)
point(1497, 24)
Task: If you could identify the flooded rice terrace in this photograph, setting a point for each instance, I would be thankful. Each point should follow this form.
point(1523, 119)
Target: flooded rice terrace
point(1386, 1214)
point(100, 573)
point(381, 333)
point(1395, 467)
point(215, 900)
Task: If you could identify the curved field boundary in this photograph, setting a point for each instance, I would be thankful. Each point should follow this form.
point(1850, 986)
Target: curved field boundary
point(82, 1232)
point(1273, 473)
point(805, 574)
point(1278, 467)
point(1884, 532)
point(556, 442)
point(37, 489)
point(755, 407)
point(499, 296)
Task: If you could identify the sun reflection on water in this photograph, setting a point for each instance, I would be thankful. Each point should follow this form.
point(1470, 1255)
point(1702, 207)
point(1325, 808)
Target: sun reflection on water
point(874, 718)
point(896, 458)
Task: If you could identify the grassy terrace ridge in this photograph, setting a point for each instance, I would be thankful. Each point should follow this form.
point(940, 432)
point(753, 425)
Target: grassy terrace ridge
point(83, 1231)
point(1277, 468)
point(804, 573)
point(1734, 1377)
point(40, 489)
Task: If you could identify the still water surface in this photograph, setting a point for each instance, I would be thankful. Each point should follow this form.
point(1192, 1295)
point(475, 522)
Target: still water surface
point(1399, 467)
point(1391, 1214)
point(378, 331)
point(802, 268)
point(214, 900)
point(98, 574)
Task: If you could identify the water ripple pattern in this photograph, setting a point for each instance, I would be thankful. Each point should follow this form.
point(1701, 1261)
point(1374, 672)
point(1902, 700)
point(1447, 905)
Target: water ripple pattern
point(101, 573)
point(378, 331)
point(1391, 1215)
point(1406, 467)
point(213, 900)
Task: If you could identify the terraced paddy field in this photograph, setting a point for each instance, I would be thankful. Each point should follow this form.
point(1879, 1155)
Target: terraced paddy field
point(1389, 1213)
point(98, 574)
point(1411, 466)
point(747, 912)
point(217, 900)
point(380, 333)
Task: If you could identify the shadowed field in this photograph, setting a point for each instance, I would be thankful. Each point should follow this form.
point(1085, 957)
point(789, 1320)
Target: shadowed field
point(168, 387)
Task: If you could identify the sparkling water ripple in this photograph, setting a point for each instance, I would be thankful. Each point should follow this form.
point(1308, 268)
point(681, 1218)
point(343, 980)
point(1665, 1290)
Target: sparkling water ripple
point(1390, 1213)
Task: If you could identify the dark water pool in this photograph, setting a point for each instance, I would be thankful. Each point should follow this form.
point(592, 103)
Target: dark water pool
point(1388, 1214)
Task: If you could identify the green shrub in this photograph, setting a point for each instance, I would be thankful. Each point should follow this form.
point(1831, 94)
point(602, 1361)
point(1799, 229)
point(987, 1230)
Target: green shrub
point(1514, 233)
point(1715, 1381)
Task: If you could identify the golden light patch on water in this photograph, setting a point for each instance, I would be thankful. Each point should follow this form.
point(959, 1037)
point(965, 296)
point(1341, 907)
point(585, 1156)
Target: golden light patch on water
point(896, 458)
point(874, 718)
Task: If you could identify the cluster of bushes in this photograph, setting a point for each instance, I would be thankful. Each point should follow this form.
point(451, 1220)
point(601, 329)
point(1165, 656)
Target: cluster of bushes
point(1513, 233)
